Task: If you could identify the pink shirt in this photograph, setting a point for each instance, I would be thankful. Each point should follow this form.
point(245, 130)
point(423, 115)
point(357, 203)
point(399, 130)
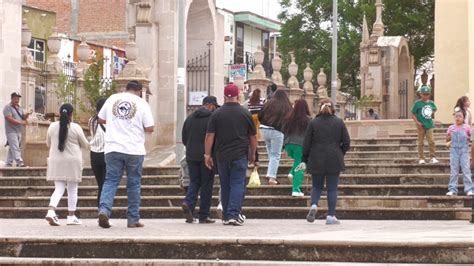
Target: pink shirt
point(463, 127)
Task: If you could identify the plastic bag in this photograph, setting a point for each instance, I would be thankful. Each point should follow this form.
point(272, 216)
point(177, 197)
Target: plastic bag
point(183, 174)
point(254, 180)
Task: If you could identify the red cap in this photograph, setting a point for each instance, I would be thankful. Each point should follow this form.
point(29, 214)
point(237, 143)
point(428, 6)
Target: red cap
point(231, 90)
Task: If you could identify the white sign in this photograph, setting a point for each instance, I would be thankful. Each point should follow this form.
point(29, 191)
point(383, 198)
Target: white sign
point(181, 75)
point(195, 97)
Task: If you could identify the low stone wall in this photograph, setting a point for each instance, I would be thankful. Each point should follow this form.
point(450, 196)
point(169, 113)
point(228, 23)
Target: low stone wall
point(368, 129)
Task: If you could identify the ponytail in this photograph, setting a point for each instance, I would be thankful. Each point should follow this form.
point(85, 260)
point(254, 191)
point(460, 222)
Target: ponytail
point(65, 113)
point(326, 107)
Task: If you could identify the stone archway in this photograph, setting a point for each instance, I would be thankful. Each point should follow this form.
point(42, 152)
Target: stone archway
point(200, 50)
point(403, 82)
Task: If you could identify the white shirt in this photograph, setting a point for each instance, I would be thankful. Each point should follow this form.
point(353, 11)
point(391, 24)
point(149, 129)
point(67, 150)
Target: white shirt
point(126, 116)
point(97, 142)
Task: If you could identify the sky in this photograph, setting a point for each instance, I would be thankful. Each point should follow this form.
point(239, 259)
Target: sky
point(265, 8)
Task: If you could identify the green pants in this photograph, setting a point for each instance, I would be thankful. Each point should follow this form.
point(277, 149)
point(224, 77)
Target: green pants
point(295, 151)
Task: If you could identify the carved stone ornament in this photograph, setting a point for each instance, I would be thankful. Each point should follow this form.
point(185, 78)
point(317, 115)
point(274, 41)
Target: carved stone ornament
point(259, 71)
point(144, 12)
point(373, 56)
point(308, 77)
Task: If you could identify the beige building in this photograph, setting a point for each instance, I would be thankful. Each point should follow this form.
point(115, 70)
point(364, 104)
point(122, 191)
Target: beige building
point(454, 54)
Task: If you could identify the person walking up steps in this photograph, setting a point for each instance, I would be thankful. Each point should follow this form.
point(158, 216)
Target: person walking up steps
point(65, 140)
point(458, 138)
point(294, 128)
point(232, 131)
point(128, 117)
point(325, 144)
point(422, 113)
point(201, 178)
point(97, 149)
point(271, 121)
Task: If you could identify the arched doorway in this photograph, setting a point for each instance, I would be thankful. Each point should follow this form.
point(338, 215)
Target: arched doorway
point(200, 37)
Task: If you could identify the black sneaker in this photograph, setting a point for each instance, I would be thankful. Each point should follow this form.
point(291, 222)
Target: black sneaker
point(236, 222)
point(187, 213)
point(241, 218)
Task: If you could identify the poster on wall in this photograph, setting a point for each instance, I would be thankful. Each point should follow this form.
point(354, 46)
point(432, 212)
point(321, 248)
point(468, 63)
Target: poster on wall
point(238, 70)
point(195, 97)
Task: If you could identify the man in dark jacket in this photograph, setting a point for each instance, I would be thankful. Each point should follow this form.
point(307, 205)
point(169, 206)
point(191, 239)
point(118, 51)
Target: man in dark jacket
point(201, 178)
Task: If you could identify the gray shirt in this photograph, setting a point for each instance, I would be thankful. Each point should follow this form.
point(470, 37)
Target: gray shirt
point(10, 110)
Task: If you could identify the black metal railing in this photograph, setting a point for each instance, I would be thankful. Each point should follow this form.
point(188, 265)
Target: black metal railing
point(198, 79)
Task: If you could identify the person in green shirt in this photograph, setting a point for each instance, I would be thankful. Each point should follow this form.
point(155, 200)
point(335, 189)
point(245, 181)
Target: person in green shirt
point(422, 113)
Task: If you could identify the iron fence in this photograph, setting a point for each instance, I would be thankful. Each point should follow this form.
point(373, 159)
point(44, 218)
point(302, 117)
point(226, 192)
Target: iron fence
point(198, 79)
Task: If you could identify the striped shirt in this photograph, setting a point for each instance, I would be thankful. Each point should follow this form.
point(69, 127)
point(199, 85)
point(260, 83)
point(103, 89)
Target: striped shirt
point(97, 141)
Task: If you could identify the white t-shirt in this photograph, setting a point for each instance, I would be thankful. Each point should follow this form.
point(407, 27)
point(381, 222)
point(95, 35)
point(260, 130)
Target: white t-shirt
point(126, 116)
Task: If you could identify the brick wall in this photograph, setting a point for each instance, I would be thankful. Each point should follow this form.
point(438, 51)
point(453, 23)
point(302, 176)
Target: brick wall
point(95, 16)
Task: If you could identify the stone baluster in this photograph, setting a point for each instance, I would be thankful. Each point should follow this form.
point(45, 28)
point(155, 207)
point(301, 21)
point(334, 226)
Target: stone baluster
point(55, 68)
point(258, 79)
point(276, 75)
point(83, 54)
point(294, 91)
point(341, 100)
point(322, 89)
point(308, 87)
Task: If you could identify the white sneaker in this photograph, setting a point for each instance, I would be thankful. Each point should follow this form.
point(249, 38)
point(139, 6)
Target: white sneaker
point(73, 220)
point(470, 193)
point(297, 194)
point(434, 161)
point(332, 220)
point(421, 162)
point(450, 193)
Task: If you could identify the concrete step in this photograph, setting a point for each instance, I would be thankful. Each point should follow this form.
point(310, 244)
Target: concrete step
point(357, 168)
point(264, 201)
point(272, 212)
point(439, 178)
point(435, 130)
point(352, 241)
point(437, 136)
point(174, 190)
point(440, 146)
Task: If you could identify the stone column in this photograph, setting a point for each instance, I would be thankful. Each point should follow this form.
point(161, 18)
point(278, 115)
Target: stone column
point(257, 79)
point(308, 88)
point(54, 69)
point(133, 71)
point(294, 91)
point(83, 54)
point(29, 73)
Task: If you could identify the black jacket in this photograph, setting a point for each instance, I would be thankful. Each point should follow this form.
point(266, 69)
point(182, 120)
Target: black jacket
point(325, 144)
point(194, 134)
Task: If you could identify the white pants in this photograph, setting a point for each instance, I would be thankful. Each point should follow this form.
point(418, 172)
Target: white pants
point(60, 186)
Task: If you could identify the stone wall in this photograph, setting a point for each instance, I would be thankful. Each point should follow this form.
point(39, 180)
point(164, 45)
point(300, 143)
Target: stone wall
point(10, 49)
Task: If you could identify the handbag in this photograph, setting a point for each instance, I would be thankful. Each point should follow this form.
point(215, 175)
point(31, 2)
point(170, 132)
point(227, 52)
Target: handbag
point(254, 180)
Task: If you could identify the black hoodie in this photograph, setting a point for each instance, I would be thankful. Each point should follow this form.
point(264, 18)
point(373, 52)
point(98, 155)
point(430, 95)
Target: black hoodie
point(194, 133)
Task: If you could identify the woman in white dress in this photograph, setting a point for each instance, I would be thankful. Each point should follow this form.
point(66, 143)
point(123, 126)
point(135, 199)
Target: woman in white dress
point(65, 140)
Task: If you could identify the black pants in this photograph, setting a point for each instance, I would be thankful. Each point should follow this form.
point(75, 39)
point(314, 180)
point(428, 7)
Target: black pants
point(98, 167)
point(201, 178)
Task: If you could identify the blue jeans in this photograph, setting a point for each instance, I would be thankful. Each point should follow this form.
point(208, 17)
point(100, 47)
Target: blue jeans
point(201, 178)
point(459, 157)
point(116, 162)
point(274, 142)
point(232, 175)
point(332, 181)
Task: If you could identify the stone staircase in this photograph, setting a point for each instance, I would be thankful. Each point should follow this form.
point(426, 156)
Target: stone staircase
point(382, 181)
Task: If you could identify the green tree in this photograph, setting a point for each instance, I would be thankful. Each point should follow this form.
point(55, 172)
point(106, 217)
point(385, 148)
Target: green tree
point(306, 30)
point(95, 87)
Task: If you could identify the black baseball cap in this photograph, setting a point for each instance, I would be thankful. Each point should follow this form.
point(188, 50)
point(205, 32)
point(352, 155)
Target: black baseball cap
point(210, 100)
point(15, 94)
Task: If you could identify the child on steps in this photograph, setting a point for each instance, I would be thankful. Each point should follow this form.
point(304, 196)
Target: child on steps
point(458, 138)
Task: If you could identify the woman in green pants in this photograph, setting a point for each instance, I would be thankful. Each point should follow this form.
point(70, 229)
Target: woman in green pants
point(294, 129)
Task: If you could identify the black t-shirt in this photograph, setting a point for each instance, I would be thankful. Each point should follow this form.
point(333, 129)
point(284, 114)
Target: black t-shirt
point(233, 126)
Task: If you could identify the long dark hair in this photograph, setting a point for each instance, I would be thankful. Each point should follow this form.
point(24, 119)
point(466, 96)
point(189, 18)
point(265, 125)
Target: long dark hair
point(94, 122)
point(255, 99)
point(277, 108)
point(461, 104)
point(65, 113)
point(297, 121)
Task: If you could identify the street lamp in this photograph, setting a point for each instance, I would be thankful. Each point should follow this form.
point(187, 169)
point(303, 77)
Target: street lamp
point(334, 53)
